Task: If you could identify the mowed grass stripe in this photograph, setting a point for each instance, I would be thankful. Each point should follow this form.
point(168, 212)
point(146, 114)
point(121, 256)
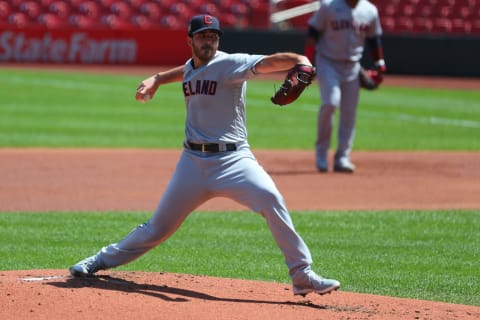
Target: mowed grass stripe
point(68, 110)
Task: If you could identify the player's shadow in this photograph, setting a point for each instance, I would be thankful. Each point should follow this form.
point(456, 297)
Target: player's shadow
point(106, 282)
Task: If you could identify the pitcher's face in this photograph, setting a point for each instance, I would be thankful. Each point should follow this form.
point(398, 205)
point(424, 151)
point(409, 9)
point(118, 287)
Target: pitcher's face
point(204, 45)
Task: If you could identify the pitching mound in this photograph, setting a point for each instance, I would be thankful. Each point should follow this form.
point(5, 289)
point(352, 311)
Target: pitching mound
point(52, 294)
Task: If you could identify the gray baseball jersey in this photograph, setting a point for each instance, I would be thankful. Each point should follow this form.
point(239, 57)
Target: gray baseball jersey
point(339, 48)
point(344, 29)
point(215, 98)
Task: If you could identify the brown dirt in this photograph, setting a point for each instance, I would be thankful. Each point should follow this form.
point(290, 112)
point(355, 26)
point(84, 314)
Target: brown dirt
point(92, 179)
point(51, 294)
point(129, 179)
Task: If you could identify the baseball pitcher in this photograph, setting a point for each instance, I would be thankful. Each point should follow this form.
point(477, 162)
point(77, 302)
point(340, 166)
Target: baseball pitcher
point(216, 158)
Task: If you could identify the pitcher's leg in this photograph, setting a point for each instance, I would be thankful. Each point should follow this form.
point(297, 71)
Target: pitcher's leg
point(167, 218)
point(257, 190)
point(251, 186)
point(172, 210)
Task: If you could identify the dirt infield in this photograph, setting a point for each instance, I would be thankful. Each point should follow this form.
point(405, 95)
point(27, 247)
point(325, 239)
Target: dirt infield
point(128, 179)
point(92, 179)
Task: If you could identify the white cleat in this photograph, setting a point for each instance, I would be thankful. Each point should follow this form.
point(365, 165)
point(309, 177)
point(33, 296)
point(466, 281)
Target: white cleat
point(311, 282)
point(343, 164)
point(86, 268)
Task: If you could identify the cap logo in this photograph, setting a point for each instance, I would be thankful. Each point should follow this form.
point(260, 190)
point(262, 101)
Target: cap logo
point(207, 19)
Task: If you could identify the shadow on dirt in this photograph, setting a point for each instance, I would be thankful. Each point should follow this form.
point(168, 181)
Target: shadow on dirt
point(106, 282)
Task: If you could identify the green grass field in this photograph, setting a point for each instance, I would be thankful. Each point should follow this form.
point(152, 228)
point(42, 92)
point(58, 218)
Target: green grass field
point(80, 110)
point(419, 254)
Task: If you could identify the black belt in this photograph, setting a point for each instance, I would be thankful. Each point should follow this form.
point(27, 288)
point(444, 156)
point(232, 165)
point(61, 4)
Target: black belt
point(211, 147)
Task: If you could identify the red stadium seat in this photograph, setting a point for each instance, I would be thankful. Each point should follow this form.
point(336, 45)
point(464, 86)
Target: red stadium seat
point(229, 20)
point(414, 2)
point(18, 19)
point(406, 9)
point(442, 11)
point(31, 9)
point(75, 3)
point(422, 25)
point(51, 21)
point(388, 24)
point(171, 21)
point(114, 21)
point(462, 12)
point(224, 5)
point(105, 3)
point(461, 26)
point(82, 22)
point(388, 10)
point(135, 4)
point(208, 8)
point(193, 5)
point(252, 4)
point(180, 10)
point(4, 10)
point(90, 9)
point(143, 22)
point(121, 10)
point(442, 25)
point(46, 3)
point(446, 2)
point(151, 10)
point(475, 27)
point(15, 4)
point(424, 11)
point(239, 9)
point(60, 9)
point(403, 24)
point(260, 17)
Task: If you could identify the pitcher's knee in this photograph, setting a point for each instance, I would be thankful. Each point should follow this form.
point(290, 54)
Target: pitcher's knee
point(144, 236)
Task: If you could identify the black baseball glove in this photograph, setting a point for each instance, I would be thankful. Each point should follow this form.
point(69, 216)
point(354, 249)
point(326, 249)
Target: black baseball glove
point(297, 79)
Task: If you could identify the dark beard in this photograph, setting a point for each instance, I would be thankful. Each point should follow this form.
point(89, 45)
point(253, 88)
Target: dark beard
point(205, 53)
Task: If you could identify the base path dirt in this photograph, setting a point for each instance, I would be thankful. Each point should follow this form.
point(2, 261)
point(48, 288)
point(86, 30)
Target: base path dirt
point(94, 179)
point(132, 179)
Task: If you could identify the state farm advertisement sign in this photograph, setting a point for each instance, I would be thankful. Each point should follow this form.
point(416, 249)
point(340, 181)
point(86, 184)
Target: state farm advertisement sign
point(93, 46)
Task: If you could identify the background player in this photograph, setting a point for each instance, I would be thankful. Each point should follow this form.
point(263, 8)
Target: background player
point(337, 34)
point(216, 159)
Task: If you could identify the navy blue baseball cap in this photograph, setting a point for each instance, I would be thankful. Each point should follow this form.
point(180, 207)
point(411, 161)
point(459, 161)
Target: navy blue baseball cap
point(204, 22)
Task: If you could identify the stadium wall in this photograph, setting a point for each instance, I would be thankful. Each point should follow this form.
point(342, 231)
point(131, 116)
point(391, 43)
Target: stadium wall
point(444, 55)
point(429, 55)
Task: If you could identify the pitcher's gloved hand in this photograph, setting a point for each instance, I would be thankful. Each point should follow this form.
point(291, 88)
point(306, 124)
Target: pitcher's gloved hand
point(297, 79)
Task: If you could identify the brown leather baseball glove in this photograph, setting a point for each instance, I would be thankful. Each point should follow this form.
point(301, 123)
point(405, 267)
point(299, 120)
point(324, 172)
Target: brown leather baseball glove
point(297, 79)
